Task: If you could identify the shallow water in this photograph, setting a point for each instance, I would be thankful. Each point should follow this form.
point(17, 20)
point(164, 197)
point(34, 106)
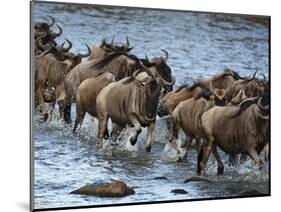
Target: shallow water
point(199, 45)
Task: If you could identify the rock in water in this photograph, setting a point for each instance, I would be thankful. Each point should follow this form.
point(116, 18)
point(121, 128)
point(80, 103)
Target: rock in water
point(114, 189)
point(179, 191)
point(196, 179)
point(160, 178)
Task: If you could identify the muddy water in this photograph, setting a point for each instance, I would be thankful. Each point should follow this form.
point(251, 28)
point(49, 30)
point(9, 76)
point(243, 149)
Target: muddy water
point(199, 45)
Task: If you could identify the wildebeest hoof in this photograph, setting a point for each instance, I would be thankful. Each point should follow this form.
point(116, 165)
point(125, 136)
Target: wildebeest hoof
point(179, 159)
point(44, 117)
point(133, 141)
point(220, 170)
point(148, 148)
point(98, 145)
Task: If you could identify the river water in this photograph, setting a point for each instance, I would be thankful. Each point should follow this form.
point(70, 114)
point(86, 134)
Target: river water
point(199, 45)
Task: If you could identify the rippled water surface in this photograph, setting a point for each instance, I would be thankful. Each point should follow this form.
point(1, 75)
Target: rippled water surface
point(199, 45)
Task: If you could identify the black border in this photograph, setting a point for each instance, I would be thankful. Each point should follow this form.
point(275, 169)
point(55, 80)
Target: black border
point(136, 203)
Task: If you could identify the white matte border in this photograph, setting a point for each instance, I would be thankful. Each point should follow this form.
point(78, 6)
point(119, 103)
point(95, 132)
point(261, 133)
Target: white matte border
point(14, 109)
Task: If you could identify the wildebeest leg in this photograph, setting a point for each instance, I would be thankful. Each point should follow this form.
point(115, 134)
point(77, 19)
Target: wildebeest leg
point(220, 164)
point(106, 133)
point(186, 145)
point(266, 152)
point(66, 114)
point(233, 159)
point(242, 158)
point(67, 110)
point(61, 109)
point(134, 121)
point(116, 130)
point(51, 107)
point(254, 155)
point(204, 156)
point(149, 136)
point(103, 119)
point(80, 114)
point(41, 102)
point(173, 141)
point(197, 145)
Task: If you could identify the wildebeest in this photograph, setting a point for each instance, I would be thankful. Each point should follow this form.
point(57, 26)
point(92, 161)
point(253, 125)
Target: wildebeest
point(236, 100)
point(104, 49)
point(50, 72)
point(86, 95)
point(187, 116)
point(132, 101)
point(89, 89)
point(41, 28)
point(235, 130)
point(251, 86)
point(222, 80)
point(119, 63)
point(169, 102)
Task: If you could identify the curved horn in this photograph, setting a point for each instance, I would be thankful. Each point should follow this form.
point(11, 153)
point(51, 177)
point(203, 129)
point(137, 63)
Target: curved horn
point(169, 83)
point(136, 73)
point(127, 41)
point(260, 105)
point(59, 33)
point(52, 20)
point(67, 48)
point(254, 75)
point(129, 49)
point(61, 46)
point(112, 41)
point(147, 70)
point(87, 54)
point(166, 54)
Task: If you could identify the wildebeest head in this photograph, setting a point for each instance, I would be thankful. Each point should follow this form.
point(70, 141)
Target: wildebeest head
point(75, 59)
point(48, 48)
point(44, 27)
point(252, 87)
point(160, 68)
point(149, 90)
point(236, 100)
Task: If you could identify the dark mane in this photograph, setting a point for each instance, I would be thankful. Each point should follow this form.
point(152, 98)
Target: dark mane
point(191, 86)
point(105, 61)
point(204, 93)
point(229, 72)
point(244, 105)
point(182, 86)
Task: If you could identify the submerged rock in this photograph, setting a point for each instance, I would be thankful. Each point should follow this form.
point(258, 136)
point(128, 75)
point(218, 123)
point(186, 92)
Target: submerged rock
point(197, 179)
point(179, 191)
point(252, 193)
point(114, 189)
point(160, 178)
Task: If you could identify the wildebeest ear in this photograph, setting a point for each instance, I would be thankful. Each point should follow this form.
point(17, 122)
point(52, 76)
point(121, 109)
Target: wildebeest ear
point(219, 93)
